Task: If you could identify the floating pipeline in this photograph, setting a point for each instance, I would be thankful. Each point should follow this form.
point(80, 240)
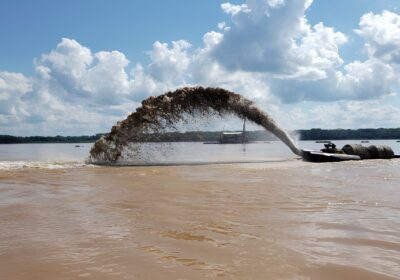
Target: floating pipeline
point(159, 113)
point(348, 152)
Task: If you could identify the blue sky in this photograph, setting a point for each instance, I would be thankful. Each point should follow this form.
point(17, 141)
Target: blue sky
point(76, 67)
point(30, 28)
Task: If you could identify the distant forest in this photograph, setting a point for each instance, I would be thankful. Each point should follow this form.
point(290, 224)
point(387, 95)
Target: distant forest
point(202, 136)
point(349, 134)
point(8, 139)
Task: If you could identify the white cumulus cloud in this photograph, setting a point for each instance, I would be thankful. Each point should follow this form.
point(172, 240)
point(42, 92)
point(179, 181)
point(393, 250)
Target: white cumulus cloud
point(274, 37)
point(382, 35)
point(13, 88)
point(169, 64)
point(234, 9)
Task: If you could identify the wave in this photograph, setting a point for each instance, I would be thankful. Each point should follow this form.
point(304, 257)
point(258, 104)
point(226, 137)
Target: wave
point(21, 164)
point(193, 163)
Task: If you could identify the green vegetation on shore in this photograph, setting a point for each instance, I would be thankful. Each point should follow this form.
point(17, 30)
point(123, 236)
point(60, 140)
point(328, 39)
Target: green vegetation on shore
point(349, 134)
point(8, 139)
point(202, 136)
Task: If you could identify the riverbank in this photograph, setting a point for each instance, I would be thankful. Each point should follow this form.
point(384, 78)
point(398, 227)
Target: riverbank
point(203, 136)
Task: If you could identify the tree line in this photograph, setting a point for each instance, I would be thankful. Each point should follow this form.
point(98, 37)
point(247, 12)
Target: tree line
point(8, 139)
point(203, 136)
point(349, 134)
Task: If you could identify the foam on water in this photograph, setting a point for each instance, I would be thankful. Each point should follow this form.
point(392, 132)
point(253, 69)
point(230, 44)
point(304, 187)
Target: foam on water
point(22, 164)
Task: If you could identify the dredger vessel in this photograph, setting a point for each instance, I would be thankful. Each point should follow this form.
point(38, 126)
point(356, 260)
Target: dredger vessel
point(349, 152)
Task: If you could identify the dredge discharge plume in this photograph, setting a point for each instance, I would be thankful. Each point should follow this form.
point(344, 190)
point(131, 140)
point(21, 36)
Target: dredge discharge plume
point(159, 113)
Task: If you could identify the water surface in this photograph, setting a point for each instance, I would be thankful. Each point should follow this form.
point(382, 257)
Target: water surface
point(278, 219)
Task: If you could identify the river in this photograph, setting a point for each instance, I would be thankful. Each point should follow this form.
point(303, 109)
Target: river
point(251, 211)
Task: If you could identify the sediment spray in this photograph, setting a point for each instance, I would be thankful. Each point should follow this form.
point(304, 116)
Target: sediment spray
point(164, 111)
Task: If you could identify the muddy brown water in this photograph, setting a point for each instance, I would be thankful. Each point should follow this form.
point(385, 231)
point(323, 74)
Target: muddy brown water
point(273, 220)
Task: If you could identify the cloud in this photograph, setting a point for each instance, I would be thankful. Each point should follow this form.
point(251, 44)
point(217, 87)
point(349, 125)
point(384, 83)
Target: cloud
point(382, 35)
point(107, 80)
point(80, 76)
point(231, 9)
point(359, 81)
point(71, 87)
point(342, 114)
point(168, 65)
point(276, 3)
point(67, 64)
point(302, 62)
point(13, 87)
point(274, 37)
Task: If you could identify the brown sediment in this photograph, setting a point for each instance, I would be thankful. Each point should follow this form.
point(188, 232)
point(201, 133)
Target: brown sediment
point(296, 221)
point(159, 113)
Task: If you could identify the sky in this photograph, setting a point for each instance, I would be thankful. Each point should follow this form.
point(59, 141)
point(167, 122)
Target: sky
point(78, 67)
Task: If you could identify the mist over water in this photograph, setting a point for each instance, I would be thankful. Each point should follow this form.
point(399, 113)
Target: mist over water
point(163, 112)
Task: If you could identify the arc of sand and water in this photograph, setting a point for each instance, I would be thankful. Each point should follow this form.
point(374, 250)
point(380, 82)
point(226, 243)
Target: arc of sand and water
point(158, 113)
